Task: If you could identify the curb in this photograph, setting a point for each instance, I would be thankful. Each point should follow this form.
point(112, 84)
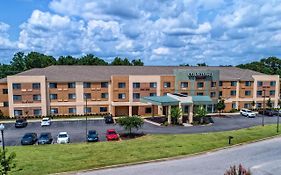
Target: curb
point(151, 122)
point(168, 158)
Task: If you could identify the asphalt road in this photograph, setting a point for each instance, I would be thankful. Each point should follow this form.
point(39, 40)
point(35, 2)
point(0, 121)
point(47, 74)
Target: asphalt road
point(76, 129)
point(263, 158)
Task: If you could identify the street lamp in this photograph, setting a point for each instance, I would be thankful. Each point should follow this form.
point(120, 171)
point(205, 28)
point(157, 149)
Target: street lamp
point(263, 107)
point(86, 113)
point(277, 129)
point(2, 127)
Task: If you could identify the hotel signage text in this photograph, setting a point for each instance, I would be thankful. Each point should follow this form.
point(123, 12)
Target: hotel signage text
point(200, 74)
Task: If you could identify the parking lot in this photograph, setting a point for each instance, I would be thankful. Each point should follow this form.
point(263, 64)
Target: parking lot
point(77, 132)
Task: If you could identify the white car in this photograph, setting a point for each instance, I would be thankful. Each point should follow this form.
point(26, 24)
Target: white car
point(46, 122)
point(247, 113)
point(62, 138)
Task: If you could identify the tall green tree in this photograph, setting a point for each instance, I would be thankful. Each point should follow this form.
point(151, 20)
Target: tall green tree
point(220, 105)
point(90, 59)
point(137, 62)
point(129, 123)
point(176, 113)
point(38, 60)
point(269, 103)
point(119, 61)
point(200, 112)
point(67, 60)
point(18, 62)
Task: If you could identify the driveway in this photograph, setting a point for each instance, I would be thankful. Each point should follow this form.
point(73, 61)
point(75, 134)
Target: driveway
point(263, 158)
point(76, 129)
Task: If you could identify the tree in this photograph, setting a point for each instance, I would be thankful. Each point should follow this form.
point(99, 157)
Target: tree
point(240, 170)
point(119, 61)
point(184, 64)
point(38, 60)
point(18, 62)
point(220, 105)
point(253, 104)
point(137, 62)
point(200, 112)
point(91, 60)
point(128, 123)
point(176, 113)
point(67, 60)
point(202, 64)
point(7, 162)
point(269, 103)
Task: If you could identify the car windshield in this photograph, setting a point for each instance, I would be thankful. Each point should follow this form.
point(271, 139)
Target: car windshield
point(111, 132)
point(27, 136)
point(92, 132)
point(248, 111)
point(62, 135)
point(44, 136)
point(19, 120)
point(45, 120)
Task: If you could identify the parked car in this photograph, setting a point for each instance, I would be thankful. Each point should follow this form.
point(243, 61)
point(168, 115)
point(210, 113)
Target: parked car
point(21, 123)
point(46, 122)
point(108, 119)
point(29, 139)
point(247, 113)
point(45, 138)
point(111, 135)
point(92, 136)
point(63, 137)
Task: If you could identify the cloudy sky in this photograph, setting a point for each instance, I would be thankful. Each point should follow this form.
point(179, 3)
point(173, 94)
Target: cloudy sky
point(160, 32)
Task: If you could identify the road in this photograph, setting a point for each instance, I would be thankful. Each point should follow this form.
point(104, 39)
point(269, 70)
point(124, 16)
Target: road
point(263, 158)
point(76, 129)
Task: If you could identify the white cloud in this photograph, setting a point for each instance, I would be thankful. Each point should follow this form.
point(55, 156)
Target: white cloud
point(161, 51)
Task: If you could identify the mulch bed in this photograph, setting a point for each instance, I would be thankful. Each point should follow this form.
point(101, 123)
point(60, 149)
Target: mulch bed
point(127, 136)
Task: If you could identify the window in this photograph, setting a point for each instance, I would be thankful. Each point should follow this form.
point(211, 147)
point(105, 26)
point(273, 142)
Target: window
point(184, 84)
point(259, 93)
point(71, 85)
point(272, 83)
point(87, 110)
point(152, 94)
point(220, 83)
point(37, 97)
point(87, 96)
point(103, 109)
point(233, 92)
point(147, 110)
point(220, 93)
point(153, 85)
point(136, 85)
point(200, 84)
point(35, 85)
point(5, 104)
point(72, 110)
point(16, 86)
point(233, 83)
point(260, 83)
point(258, 105)
point(121, 96)
point(248, 83)
point(104, 84)
point(104, 95)
point(54, 110)
point(53, 85)
point(17, 97)
point(136, 95)
point(86, 85)
point(247, 93)
point(246, 105)
point(71, 96)
point(121, 85)
point(213, 84)
point(17, 112)
point(37, 112)
point(272, 92)
point(167, 84)
point(233, 105)
point(5, 91)
point(200, 93)
point(213, 94)
point(53, 96)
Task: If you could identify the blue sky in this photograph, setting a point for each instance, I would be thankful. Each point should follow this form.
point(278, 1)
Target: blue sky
point(160, 32)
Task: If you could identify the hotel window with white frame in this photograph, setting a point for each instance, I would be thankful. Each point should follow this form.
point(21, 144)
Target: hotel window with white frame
point(233, 105)
point(259, 93)
point(233, 92)
point(72, 110)
point(104, 95)
point(260, 83)
point(53, 96)
point(247, 93)
point(35, 85)
point(136, 85)
point(37, 112)
point(152, 94)
point(213, 84)
point(53, 85)
point(121, 96)
point(72, 96)
point(272, 83)
point(167, 84)
point(16, 86)
point(104, 84)
point(220, 83)
point(136, 95)
point(213, 94)
point(18, 113)
point(71, 85)
point(103, 109)
point(248, 83)
point(54, 110)
point(272, 92)
point(87, 110)
point(121, 85)
point(200, 84)
point(87, 96)
point(37, 97)
point(86, 85)
point(17, 97)
point(200, 93)
point(153, 85)
point(184, 84)
point(233, 83)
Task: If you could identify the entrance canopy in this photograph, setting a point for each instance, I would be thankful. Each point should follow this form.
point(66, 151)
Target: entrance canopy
point(160, 100)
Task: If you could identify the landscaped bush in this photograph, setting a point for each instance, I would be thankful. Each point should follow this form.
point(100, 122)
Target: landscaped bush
point(240, 170)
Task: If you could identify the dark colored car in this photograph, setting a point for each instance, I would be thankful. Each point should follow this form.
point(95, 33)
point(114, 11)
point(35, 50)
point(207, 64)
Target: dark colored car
point(92, 136)
point(45, 138)
point(108, 119)
point(111, 135)
point(21, 123)
point(29, 139)
point(268, 112)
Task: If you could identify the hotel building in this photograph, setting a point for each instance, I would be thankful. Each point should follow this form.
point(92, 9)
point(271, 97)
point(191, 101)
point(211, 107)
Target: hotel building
point(132, 90)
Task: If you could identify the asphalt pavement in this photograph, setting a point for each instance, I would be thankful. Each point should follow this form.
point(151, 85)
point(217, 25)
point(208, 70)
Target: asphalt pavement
point(262, 158)
point(77, 129)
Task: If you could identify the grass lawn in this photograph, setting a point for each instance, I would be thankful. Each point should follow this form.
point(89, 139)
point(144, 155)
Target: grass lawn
point(57, 158)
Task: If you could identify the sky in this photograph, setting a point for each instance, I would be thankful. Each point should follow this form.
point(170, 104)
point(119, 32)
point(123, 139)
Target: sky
point(160, 32)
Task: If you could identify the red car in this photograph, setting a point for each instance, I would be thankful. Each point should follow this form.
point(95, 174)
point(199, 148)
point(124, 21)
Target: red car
point(111, 135)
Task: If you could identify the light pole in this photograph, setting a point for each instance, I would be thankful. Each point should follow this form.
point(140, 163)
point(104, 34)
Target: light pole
point(2, 127)
point(263, 107)
point(277, 127)
point(86, 113)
